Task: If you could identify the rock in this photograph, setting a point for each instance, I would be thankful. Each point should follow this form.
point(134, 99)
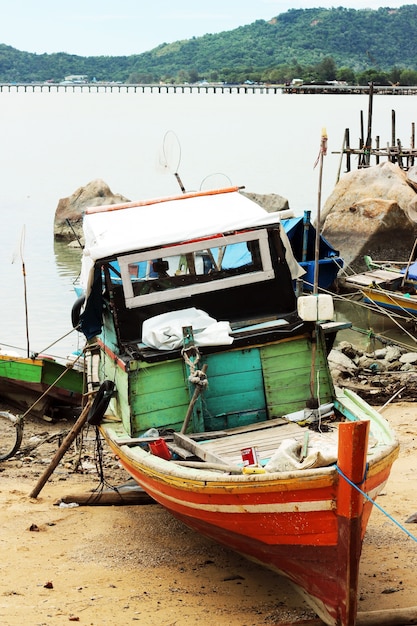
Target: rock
point(412, 177)
point(408, 367)
point(393, 366)
point(393, 353)
point(349, 350)
point(369, 363)
point(95, 193)
point(268, 201)
point(381, 353)
point(408, 357)
point(339, 361)
point(372, 211)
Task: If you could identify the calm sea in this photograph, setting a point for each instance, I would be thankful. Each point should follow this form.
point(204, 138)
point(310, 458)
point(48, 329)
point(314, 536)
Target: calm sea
point(53, 143)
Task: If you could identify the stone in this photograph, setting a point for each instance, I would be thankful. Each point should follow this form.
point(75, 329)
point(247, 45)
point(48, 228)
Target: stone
point(408, 357)
point(339, 361)
point(393, 353)
point(95, 193)
point(371, 211)
point(268, 201)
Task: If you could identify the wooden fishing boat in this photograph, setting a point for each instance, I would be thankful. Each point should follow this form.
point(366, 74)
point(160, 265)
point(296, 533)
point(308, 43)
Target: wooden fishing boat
point(384, 288)
point(42, 384)
point(403, 302)
point(216, 393)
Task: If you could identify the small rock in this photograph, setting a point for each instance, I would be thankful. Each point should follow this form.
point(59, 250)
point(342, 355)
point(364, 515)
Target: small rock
point(340, 361)
point(408, 357)
point(393, 353)
point(380, 354)
point(408, 367)
point(393, 366)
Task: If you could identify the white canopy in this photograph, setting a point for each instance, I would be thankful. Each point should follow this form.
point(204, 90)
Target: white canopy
point(133, 226)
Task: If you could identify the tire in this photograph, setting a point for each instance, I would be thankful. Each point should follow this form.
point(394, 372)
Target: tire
point(13, 442)
point(76, 312)
point(100, 403)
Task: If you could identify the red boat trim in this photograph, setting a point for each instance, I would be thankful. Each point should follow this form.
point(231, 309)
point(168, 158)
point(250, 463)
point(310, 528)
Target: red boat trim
point(129, 205)
point(113, 356)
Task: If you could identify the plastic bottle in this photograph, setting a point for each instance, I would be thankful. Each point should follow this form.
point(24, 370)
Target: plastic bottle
point(151, 432)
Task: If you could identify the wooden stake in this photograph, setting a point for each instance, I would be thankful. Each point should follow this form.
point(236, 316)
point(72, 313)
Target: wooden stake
point(78, 426)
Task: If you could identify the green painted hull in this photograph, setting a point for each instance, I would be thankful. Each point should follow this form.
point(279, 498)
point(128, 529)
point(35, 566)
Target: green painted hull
point(245, 386)
point(23, 381)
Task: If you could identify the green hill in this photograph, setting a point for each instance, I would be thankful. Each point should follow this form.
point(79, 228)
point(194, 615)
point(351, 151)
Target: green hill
point(312, 44)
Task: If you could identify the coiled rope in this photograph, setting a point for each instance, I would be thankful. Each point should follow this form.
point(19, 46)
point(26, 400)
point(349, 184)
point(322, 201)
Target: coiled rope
point(196, 376)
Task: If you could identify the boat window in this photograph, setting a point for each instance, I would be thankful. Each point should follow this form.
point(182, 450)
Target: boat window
point(183, 270)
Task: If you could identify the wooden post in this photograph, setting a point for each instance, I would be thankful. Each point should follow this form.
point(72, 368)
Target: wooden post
point(393, 132)
point(60, 453)
point(361, 144)
point(352, 455)
point(368, 146)
point(347, 144)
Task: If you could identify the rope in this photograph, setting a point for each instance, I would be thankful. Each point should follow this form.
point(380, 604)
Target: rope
point(34, 355)
point(352, 484)
point(197, 377)
point(386, 312)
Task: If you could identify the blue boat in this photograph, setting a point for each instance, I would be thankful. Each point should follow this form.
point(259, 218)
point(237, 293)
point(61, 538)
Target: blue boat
point(302, 236)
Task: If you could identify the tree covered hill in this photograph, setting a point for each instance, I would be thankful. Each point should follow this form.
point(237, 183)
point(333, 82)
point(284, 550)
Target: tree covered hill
point(299, 40)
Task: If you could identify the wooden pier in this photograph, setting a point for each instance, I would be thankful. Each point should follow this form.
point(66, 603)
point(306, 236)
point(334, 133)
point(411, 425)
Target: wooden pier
point(97, 87)
point(368, 149)
point(390, 90)
point(201, 88)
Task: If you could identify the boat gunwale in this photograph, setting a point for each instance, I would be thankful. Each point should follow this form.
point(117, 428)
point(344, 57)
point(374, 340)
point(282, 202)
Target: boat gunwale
point(156, 467)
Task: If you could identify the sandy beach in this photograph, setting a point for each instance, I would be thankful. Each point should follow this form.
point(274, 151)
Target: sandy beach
point(114, 565)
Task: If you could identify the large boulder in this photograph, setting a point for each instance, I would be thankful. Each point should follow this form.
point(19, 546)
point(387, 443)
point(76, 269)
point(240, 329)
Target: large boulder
point(372, 211)
point(269, 201)
point(95, 193)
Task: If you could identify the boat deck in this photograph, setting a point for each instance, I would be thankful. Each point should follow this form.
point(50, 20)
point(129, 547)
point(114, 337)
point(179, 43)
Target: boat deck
point(377, 277)
point(223, 449)
point(267, 440)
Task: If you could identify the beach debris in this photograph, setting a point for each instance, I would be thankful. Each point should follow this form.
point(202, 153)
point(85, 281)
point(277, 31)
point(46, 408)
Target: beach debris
point(377, 375)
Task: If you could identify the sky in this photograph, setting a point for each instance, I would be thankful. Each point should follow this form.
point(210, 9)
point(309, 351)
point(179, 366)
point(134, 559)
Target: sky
point(125, 27)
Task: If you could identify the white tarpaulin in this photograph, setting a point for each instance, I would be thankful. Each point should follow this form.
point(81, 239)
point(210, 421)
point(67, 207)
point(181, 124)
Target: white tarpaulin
point(164, 332)
point(133, 226)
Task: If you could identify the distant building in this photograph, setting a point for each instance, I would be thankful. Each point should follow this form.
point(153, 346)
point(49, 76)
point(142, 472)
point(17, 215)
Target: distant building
point(76, 78)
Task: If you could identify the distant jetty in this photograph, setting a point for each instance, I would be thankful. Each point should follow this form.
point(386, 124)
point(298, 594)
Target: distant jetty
point(204, 88)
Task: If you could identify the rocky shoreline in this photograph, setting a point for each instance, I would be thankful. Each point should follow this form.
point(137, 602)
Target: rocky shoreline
point(378, 376)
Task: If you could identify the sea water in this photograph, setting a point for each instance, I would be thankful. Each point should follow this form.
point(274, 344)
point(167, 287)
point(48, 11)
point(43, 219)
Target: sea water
point(53, 143)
